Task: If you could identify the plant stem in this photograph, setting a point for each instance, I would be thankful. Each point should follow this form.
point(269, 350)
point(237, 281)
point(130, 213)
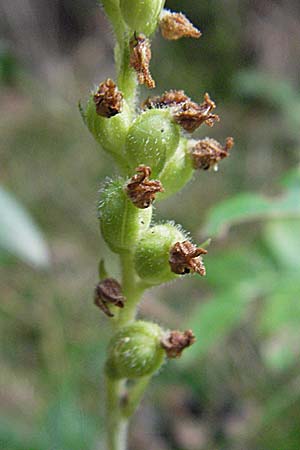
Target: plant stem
point(116, 416)
point(127, 81)
point(135, 395)
point(116, 425)
point(131, 289)
point(126, 76)
point(112, 10)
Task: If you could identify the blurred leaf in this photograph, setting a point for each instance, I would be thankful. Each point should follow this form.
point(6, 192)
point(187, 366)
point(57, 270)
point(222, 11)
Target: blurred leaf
point(283, 239)
point(235, 265)
point(282, 399)
point(9, 68)
point(247, 207)
point(19, 234)
point(261, 85)
point(291, 179)
point(282, 306)
point(278, 93)
point(66, 424)
point(213, 320)
point(16, 436)
point(281, 351)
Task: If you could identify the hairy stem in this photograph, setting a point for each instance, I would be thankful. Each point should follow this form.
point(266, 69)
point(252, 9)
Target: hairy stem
point(127, 81)
point(135, 395)
point(116, 416)
point(131, 289)
point(117, 420)
point(126, 77)
point(112, 10)
point(116, 425)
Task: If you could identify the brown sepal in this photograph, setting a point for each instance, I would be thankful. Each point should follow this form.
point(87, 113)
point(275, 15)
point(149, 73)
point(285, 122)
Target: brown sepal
point(174, 26)
point(140, 56)
point(190, 115)
point(185, 258)
point(108, 99)
point(141, 190)
point(108, 291)
point(176, 341)
point(208, 152)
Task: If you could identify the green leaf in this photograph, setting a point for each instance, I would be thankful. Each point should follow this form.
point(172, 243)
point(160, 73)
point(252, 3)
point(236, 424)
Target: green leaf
point(19, 235)
point(66, 424)
point(15, 435)
point(282, 306)
point(238, 264)
point(213, 320)
point(291, 179)
point(247, 207)
point(253, 84)
point(280, 321)
point(281, 351)
point(283, 239)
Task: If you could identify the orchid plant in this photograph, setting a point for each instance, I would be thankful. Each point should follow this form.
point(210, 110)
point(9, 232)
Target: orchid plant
point(155, 155)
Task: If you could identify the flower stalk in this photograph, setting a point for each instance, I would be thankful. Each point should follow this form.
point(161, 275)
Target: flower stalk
point(155, 159)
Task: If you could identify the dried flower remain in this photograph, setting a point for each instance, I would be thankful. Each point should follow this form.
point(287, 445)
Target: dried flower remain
point(141, 190)
point(208, 153)
point(176, 341)
point(190, 115)
point(174, 26)
point(140, 56)
point(185, 257)
point(108, 99)
point(167, 100)
point(108, 291)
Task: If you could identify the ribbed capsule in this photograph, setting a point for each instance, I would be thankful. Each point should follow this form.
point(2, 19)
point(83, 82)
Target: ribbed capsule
point(152, 253)
point(121, 222)
point(135, 351)
point(141, 15)
point(151, 140)
point(109, 132)
point(177, 171)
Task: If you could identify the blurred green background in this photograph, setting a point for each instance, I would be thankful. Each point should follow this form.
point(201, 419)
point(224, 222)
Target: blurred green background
point(239, 386)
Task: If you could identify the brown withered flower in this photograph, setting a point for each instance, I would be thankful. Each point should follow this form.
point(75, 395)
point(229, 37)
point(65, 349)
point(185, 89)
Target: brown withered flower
point(108, 99)
point(141, 190)
point(176, 341)
point(174, 26)
point(207, 153)
point(185, 257)
point(107, 292)
point(190, 115)
point(140, 56)
point(169, 99)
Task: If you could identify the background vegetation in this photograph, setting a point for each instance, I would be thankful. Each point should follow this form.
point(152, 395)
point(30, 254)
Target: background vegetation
point(239, 386)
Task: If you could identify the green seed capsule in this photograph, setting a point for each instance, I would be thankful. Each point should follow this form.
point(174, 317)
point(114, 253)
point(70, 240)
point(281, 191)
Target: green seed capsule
point(177, 172)
point(121, 222)
point(135, 351)
point(152, 138)
point(141, 15)
point(153, 252)
point(109, 132)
